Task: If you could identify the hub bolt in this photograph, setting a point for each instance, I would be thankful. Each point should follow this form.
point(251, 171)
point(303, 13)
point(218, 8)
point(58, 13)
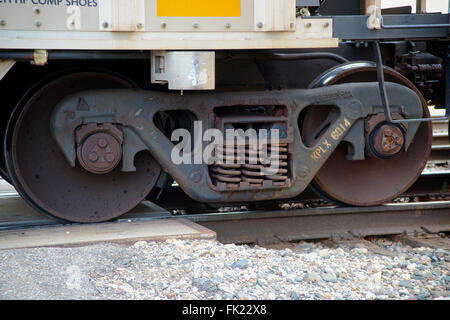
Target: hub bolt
point(93, 157)
point(102, 143)
point(386, 141)
point(99, 148)
point(110, 157)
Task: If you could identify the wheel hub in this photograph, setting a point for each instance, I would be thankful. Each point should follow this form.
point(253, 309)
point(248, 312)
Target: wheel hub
point(99, 147)
point(43, 177)
point(386, 141)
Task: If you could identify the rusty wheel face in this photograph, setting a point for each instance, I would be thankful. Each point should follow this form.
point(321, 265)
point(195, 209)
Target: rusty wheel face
point(374, 180)
point(46, 180)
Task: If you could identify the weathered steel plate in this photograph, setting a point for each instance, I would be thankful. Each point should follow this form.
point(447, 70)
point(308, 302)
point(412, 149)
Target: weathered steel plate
point(125, 232)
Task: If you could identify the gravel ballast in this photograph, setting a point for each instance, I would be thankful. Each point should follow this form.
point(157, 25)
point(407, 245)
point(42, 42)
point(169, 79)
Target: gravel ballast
point(210, 270)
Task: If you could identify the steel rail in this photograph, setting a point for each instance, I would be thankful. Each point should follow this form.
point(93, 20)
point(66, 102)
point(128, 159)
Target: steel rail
point(325, 223)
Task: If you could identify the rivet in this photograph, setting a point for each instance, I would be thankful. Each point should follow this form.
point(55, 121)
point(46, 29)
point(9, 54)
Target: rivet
point(326, 24)
point(292, 25)
point(93, 157)
point(228, 25)
point(308, 25)
point(139, 25)
point(38, 24)
point(102, 143)
point(2, 22)
point(163, 25)
point(303, 172)
point(260, 25)
point(37, 10)
point(195, 175)
point(110, 157)
point(105, 25)
point(195, 25)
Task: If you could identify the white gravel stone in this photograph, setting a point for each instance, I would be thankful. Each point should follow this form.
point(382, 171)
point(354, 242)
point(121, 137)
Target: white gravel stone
point(360, 250)
point(207, 270)
point(425, 260)
point(324, 253)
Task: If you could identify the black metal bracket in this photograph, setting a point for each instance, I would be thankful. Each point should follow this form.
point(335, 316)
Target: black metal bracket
point(385, 100)
point(410, 26)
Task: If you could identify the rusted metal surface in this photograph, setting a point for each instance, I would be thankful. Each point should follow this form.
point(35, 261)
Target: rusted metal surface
point(136, 110)
point(372, 181)
point(93, 129)
point(268, 226)
point(174, 199)
point(246, 166)
point(387, 141)
point(99, 147)
point(44, 178)
point(251, 174)
point(326, 223)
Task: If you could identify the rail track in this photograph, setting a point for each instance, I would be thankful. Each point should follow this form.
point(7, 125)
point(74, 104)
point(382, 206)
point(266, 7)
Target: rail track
point(441, 145)
point(274, 225)
point(269, 226)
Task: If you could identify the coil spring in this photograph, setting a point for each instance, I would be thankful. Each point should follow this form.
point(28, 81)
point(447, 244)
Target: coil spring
point(253, 172)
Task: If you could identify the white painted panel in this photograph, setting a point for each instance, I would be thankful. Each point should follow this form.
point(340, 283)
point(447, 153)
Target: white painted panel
point(275, 15)
point(122, 15)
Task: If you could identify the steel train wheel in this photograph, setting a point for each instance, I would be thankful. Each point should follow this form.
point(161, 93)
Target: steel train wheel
point(20, 104)
point(44, 178)
point(372, 181)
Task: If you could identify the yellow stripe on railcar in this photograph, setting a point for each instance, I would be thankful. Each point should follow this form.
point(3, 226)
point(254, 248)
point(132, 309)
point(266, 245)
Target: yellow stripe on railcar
point(199, 8)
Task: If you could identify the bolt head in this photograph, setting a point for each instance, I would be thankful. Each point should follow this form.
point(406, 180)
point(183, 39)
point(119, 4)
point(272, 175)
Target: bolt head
point(163, 25)
point(228, 25)
point(303, 172)
point(195, 25)
point(105, 25)
point(308, 24)
point(2, 22)
point(93, 157)
point(102, 143)
point(260, 25)
point(38, 24)
point(37, 10)
point(109, 157)
point(195, 175)
point(139, 25)
point(388, 133)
